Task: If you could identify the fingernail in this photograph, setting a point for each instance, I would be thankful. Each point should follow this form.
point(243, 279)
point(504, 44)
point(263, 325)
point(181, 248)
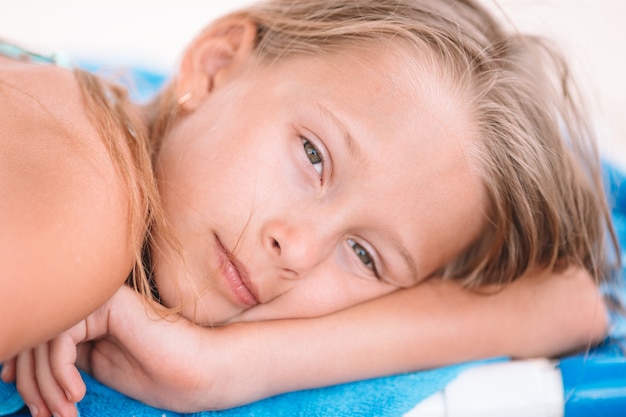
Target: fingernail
point(55, 414)
point(33, 409)
point(68, 395)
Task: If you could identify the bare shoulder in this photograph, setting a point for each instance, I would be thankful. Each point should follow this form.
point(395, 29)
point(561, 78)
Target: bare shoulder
point(63, 209)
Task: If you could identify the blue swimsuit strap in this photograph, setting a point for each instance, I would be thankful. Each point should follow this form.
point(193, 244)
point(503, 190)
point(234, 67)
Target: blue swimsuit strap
point(21, 54)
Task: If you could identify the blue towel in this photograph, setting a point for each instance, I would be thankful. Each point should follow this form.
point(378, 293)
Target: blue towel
point(10, 401)
point(390, 396)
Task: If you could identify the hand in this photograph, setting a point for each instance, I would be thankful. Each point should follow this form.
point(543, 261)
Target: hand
point(154, 356)
point(47, 377)
point(125, 341)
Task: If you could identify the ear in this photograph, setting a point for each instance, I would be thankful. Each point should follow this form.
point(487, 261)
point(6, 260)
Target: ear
point(217, 52)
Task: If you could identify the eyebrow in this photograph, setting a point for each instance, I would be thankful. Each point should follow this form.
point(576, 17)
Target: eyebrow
point(353, 146)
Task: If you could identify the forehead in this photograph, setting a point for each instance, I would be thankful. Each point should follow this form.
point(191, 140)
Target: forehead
point(396, 99)
point(394, 88)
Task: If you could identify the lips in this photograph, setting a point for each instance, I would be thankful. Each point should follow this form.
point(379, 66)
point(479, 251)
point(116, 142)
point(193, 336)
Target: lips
point(236, 277)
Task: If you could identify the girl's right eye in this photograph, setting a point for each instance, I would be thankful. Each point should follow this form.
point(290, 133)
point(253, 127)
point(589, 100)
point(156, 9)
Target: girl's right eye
point(314, 156)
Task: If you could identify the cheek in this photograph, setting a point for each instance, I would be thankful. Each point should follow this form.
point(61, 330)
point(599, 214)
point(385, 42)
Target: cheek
point(316, 296)
point(200, 169)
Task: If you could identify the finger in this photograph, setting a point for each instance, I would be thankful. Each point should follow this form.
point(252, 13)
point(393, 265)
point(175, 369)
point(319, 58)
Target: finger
point(26, 384)
point(83, 356)
point(8, 370)
point(63, 352)
point(53, 394)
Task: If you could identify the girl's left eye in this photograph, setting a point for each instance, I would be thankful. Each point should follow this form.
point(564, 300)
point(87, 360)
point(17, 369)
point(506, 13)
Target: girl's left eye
point(363, 255)
point(314, 155)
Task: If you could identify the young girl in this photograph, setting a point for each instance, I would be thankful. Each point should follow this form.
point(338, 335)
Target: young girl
point(309, 156)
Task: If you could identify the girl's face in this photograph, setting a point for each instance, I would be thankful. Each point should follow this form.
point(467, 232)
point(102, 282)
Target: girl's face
point(308, 186)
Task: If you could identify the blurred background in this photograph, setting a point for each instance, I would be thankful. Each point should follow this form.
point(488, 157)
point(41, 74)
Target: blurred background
point(152, 34)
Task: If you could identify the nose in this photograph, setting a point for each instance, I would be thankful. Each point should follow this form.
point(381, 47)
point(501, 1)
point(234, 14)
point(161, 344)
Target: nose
point(296, 249)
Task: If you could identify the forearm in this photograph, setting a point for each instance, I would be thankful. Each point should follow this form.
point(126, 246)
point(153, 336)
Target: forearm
point(431, 325)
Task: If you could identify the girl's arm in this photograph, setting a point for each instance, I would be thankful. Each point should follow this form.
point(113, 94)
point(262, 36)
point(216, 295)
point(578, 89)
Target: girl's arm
point(175, 365)
point(64, 247)
point(434, 324)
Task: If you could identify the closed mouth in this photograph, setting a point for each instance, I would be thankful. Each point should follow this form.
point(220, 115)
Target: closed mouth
point(236, 277)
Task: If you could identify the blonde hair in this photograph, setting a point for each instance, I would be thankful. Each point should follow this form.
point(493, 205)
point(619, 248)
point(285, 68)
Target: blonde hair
point(537, 159)
point(124, 132)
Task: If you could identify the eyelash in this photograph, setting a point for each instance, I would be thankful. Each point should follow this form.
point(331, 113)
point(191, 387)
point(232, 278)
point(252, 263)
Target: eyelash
point(313, 151)
point(360, 251)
